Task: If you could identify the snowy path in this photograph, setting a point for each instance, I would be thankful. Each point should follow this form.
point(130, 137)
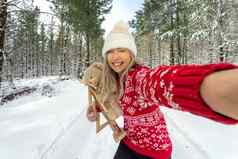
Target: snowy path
point(80, 141)
point(56, 128)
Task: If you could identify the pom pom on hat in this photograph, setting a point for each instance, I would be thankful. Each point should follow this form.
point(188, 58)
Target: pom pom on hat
point(119, 37)
point(120, 27)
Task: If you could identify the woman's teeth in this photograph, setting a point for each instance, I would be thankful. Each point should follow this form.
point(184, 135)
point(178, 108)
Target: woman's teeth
point(117, 63)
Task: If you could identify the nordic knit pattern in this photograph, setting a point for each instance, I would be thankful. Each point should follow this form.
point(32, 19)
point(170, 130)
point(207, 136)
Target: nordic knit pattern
point(175, 87)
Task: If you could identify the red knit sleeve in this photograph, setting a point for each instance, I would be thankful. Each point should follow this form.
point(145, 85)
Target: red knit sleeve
point(178, 87)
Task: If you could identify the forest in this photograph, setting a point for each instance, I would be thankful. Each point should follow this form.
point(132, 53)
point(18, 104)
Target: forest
point(66, 40)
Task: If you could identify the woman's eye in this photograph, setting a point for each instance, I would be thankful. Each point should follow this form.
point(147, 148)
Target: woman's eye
point(121, 50)
point(109, 52)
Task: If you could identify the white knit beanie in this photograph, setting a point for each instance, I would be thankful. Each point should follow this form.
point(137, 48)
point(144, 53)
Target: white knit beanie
point(119, 37)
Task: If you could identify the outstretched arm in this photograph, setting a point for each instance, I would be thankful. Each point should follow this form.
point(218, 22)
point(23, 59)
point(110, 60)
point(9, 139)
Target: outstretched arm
point(220, 91)
point(208, 90)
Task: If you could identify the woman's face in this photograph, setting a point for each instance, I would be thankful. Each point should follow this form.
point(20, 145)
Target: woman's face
point(119, 59)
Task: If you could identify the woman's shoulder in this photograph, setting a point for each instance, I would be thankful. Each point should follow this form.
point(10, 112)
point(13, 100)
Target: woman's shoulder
point(138, 69)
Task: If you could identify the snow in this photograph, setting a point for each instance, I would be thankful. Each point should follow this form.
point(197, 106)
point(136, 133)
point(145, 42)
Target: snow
point(42, 127)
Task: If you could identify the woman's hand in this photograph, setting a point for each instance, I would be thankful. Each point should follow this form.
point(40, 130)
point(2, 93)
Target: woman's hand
point(91, 113)
point(220, 91)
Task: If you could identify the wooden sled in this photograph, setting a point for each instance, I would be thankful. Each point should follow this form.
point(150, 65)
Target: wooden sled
point(108, 113)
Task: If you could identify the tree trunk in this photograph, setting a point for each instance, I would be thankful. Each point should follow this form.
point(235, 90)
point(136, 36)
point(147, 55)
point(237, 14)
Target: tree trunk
point(233, 34)
point(88, 50)
point(10, 73)
point(3, 19)
point(220, 20)
point(172, 56)
point(159, 51)
point(179, 53)
point(61, 48)
point(185, 55)
point(80, 62)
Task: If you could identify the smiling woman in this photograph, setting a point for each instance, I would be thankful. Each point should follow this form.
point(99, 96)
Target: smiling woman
point(141, 91)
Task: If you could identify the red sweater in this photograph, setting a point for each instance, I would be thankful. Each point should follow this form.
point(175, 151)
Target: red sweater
point(176, 87)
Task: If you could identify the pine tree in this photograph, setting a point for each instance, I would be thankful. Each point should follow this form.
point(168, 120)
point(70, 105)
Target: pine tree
point(3, 19)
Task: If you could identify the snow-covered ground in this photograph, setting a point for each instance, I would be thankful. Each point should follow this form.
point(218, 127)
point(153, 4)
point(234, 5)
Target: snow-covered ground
point(41, 127)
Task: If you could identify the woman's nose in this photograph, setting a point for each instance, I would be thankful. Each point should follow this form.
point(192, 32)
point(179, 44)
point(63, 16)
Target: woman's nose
point(114, 54)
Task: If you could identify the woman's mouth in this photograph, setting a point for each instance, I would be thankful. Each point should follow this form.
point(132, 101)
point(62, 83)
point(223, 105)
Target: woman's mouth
point(117, 64)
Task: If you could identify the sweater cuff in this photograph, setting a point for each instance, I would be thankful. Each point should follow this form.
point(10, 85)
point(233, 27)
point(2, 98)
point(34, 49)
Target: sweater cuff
point(186, 91)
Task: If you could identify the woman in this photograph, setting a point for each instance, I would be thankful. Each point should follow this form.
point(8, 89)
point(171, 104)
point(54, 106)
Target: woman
point(206, 90)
